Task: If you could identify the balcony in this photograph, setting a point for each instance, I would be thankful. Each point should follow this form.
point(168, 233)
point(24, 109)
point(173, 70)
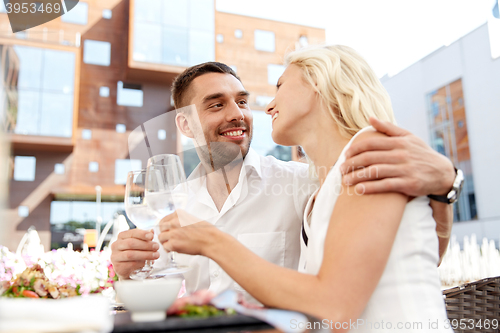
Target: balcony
point(26, 143)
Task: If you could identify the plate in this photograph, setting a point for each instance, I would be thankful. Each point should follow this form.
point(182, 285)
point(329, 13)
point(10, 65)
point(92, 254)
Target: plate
point(235, 322)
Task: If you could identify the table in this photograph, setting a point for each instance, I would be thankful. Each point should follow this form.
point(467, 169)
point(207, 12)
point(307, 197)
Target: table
point(236, 323)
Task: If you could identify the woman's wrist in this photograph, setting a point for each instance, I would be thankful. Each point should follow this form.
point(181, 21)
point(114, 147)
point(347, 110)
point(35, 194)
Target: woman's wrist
point(219, 243)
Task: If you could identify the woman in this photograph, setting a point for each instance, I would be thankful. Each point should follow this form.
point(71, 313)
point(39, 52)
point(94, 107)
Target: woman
point(372, 257)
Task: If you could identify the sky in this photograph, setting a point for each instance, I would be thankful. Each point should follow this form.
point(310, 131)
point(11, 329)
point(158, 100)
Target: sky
point(390, 34)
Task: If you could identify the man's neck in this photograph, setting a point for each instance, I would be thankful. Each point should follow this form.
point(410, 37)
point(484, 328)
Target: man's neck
point(221, 182)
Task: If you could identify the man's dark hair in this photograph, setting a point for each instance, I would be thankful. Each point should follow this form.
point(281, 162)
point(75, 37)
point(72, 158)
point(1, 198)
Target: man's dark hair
point(183, 81)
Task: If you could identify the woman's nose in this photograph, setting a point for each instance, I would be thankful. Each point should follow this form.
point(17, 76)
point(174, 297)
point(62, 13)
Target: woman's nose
point(270, 107)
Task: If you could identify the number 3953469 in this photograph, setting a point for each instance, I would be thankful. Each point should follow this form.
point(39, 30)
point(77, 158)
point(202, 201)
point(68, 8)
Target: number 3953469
point(32, 8)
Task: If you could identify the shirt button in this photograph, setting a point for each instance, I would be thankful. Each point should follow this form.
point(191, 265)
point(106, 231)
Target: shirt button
point(215, 274)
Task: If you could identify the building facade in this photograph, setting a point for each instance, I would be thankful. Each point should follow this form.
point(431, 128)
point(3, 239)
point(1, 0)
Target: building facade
point(451, 99)
point(75, 88)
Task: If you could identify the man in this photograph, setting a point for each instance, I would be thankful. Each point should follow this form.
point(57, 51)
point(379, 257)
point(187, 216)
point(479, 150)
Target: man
point(260, 200)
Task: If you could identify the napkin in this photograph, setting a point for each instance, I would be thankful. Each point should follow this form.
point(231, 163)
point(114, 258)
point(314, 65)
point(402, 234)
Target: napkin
point(74, 314)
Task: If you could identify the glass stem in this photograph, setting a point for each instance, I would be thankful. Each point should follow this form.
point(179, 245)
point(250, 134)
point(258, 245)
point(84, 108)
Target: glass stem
point(171, 259)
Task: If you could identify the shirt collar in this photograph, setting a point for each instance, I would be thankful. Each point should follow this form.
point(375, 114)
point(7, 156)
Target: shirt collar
point(197, 183)
point(251, 161)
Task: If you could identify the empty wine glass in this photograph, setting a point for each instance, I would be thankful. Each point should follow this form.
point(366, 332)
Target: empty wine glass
point(139, 213)
point(166, 191)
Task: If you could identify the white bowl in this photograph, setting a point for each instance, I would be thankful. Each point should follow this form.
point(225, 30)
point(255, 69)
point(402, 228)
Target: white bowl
point(148, 300)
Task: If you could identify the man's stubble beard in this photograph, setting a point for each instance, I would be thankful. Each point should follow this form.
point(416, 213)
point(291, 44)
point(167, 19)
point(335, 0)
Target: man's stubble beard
point(223, 154)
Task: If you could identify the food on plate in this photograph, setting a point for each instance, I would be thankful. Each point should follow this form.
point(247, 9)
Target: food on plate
point(197, 305)
point(32, 283)
point(201, 311)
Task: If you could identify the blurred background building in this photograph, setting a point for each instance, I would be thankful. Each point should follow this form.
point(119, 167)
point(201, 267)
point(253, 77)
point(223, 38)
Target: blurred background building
point(451, 99)
point(74, 88)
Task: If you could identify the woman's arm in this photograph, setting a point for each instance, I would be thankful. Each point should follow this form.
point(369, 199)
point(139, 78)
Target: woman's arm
point(357, 246)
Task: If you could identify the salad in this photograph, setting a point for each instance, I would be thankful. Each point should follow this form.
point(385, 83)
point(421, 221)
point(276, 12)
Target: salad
point(197, 305)
point(32, 283)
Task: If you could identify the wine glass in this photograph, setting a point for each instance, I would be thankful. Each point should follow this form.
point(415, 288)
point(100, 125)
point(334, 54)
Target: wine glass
point(139, 213)
point(166, 191)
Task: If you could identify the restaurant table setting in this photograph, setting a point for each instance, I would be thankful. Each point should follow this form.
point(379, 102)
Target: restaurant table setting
point(148, 301)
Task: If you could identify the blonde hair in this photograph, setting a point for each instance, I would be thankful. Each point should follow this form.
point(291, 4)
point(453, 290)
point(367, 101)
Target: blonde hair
point(347, 85)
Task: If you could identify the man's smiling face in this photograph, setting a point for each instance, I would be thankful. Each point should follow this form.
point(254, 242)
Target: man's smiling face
point(224, 114)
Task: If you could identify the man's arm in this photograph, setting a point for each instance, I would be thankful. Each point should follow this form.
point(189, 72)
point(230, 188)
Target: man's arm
point(443, 215)
point(402, 163)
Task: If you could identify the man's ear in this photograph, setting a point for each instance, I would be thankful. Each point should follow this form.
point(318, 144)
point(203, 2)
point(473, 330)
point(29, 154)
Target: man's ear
point(182, 124)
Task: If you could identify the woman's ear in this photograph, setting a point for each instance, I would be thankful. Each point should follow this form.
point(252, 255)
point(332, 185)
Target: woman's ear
point(182, 124)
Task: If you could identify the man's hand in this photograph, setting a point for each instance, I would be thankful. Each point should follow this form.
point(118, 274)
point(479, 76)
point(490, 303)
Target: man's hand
point(131, 250)
point(399, 163)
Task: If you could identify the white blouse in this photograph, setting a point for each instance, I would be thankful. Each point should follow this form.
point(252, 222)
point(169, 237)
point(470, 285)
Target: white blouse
point(409, 290)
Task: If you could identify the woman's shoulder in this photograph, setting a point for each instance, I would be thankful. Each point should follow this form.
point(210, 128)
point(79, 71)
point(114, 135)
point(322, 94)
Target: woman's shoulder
point(367, 133)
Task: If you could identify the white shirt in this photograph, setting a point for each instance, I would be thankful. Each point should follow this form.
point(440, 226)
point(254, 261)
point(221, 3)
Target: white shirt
point(263, 211)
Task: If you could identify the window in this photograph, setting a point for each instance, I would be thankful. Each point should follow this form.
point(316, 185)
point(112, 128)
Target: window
point(23, 211)
point(201, 47)
point(175, 44)
point(129, 94)
point(303, 42)
point(147, 45)
point(121, 128)
point(264, 40)
point(104, 91)
point(262, 141)
point(24, 168)
point(162, 134)
point(238, 33)
point(69, 219)
point(77, 15)
point(123, 167)
point(96, 52)
point(179, 33)
point(274, 72)
point(148, 11)
point(60, 212)
point(93, 166)
point(448, 128)
point(59, 168)
point(107, 14)
point(54, 121)
point(176, 13)
point(86, 134)
point(45, 91)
